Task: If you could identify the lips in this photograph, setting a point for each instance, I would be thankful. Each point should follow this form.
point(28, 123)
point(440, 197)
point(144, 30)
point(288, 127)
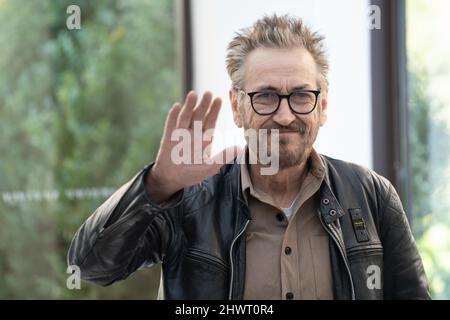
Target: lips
point(287, 131)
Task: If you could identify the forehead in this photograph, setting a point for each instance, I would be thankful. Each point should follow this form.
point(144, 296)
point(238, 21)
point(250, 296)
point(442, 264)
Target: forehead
point(280, 68)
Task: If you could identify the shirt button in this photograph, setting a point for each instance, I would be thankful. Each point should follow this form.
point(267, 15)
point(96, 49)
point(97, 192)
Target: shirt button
point(280, 217)
point(289, 296)
point(287, 250)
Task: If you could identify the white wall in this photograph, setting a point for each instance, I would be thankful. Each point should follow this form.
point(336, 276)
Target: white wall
point(347, 134)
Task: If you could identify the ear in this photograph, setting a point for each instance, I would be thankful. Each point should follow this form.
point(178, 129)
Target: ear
point(237, 117)
point(324, 107)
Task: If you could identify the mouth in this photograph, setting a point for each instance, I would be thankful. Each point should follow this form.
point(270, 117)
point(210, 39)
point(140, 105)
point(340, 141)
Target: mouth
point(288, 131)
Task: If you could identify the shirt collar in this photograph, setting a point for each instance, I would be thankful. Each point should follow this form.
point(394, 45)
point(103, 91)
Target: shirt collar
point(316, 168)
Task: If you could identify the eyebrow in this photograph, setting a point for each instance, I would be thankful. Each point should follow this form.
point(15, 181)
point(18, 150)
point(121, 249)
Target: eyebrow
point(272, 88)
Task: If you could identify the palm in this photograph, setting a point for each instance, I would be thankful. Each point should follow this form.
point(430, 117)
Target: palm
point(195, 121)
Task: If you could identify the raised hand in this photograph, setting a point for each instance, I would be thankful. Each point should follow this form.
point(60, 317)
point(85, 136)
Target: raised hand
point(168, 175)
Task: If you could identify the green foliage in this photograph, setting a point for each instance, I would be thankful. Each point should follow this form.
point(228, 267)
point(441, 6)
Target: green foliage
point(429, 139)
point(78, 109)
point(431, 223)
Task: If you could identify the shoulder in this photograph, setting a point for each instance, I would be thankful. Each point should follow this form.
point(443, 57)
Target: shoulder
point(349, 170)
point(344, 174)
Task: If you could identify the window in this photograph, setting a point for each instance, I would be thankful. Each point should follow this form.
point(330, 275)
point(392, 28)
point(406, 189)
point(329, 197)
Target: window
point(80, 112)
point(428, 70)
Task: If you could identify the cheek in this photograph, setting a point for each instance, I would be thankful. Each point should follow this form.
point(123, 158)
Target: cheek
point(313, 121)
point(252, 120)
point(309, 120)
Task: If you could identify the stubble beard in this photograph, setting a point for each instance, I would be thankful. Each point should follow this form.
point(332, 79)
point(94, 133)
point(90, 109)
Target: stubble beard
point(289, 156)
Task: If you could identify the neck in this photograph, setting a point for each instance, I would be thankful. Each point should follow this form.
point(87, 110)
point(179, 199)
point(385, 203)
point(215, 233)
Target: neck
point(283, 187)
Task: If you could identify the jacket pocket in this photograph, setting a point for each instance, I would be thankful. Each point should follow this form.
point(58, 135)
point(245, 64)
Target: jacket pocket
point(204, 257)
point(202, 275)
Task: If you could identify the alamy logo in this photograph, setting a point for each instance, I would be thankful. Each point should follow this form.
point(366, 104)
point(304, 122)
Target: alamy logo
point(74, 20)
point(74, 280)
point(374, 277)
point(374, 21)
point(189, 148)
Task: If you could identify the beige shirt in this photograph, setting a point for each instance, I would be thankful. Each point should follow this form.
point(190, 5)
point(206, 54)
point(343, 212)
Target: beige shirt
point(287, 258)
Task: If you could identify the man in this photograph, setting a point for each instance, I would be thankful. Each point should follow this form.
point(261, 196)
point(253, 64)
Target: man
point(317, 228)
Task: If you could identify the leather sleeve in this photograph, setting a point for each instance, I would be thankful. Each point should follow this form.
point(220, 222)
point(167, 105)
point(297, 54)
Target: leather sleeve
point(404, 275)
point(125, 233)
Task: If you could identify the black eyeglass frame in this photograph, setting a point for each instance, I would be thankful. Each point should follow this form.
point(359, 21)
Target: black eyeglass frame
point(281, 97)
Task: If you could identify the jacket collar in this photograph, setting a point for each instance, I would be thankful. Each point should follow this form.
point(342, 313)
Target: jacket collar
point(330, 208)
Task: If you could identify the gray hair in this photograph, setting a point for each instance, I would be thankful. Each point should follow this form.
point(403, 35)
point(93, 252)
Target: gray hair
point(275, 32)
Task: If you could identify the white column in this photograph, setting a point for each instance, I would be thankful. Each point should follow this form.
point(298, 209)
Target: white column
point(347, 135)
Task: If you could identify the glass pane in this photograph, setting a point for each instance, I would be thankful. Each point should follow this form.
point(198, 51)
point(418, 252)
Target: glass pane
point(81, 111)
point(429, 136)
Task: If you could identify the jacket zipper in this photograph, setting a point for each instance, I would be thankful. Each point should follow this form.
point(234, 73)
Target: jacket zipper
point(339, 244)
point(231, 258)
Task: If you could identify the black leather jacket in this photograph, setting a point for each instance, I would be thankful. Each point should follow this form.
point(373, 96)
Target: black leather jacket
point(201, 245)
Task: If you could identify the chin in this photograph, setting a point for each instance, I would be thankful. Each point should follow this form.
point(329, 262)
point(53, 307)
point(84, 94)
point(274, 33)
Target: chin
point(289, 157)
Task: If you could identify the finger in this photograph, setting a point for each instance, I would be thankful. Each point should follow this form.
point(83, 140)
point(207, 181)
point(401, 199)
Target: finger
point(171, 120)
point(212, 114)
point(184, 119)
point(200, 110)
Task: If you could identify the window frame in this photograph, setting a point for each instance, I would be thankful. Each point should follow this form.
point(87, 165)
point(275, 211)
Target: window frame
point(390, 116)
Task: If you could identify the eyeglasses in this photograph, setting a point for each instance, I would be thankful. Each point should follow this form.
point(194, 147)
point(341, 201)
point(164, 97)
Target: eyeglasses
point(267, 102)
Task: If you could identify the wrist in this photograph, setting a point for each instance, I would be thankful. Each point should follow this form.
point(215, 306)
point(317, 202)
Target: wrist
point(157, 189)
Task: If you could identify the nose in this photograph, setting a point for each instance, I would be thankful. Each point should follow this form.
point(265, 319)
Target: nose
point(284, 115)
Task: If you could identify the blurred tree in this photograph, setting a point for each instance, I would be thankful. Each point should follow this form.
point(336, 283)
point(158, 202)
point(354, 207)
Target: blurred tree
point(78, 109)
point(429, 140)
point(429, 222)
